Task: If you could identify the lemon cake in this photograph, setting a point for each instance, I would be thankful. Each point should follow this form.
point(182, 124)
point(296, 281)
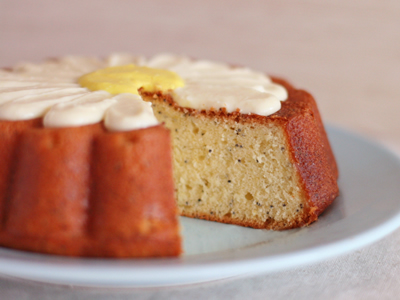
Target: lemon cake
point(100, 156)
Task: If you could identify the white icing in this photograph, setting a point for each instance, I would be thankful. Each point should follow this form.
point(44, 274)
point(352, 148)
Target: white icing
point(88, 108)
point(50, 90)
point(214, 85)
point(35, 105)
point(130, 111)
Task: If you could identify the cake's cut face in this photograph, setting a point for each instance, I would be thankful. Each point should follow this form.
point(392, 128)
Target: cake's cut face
point(246, 150)
point(241, 169)
point(233, 172)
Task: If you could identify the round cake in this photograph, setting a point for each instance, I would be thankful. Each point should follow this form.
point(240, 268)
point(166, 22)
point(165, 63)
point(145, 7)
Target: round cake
point(100, 156)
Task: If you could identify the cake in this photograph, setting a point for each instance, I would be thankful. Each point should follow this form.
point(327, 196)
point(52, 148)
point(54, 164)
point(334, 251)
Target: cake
point(91, 166)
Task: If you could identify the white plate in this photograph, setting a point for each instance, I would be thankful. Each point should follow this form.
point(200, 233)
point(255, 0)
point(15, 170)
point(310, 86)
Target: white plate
point(367, 209)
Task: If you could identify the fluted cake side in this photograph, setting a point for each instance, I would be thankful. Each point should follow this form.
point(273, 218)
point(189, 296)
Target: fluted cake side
point(84, 191)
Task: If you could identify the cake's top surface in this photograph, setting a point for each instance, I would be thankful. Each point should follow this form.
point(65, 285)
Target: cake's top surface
point(52, 90)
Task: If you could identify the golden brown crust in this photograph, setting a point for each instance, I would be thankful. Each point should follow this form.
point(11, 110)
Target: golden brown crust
point(310, 149)
point(301, 102)
point(9, 135)
point(83, 191)
point(133, 180)
point(300, 221)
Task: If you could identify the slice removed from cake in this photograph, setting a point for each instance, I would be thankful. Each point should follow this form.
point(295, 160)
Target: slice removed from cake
point(276, 172)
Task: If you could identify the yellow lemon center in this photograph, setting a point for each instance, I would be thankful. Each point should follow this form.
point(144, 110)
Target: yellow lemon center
point(130, 78)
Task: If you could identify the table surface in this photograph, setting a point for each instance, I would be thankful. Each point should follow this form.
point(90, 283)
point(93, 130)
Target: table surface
point(347, 53)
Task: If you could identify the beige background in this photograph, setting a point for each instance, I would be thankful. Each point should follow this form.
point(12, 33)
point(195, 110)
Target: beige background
point(347, 53)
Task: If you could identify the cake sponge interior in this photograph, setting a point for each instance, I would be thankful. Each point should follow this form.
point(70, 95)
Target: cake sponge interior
point(230, 171)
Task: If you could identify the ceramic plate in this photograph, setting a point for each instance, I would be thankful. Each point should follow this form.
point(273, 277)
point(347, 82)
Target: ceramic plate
point(367, 209)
